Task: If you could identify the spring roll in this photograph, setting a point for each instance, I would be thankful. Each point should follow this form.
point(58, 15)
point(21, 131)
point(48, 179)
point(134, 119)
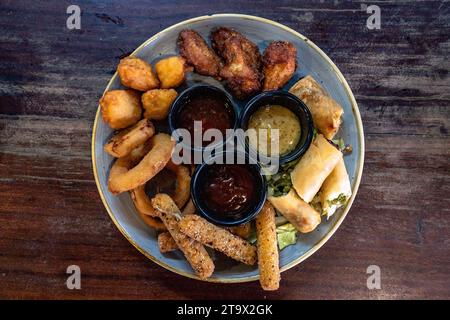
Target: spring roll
point(268, 260)
point(194, 251)
point(296, 211)
point(336, 190)
point(314, 167)
point(218, 238)
point(166, 243)
point(326, 112)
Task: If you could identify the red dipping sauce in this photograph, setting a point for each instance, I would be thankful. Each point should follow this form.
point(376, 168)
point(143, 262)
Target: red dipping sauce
point(213, 112)
point(228, 189)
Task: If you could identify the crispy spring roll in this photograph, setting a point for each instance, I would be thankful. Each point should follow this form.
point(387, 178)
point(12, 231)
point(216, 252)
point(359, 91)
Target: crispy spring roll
point(298, 212)
point(314, 167)
point(326, 112)
point(268, 260)
point(166, 242)
point(336, 190)
point(242, 231)
point(218, 238)
point(194, 251)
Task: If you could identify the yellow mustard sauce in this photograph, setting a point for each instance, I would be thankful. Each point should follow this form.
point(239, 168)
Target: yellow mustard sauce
point(272, 117)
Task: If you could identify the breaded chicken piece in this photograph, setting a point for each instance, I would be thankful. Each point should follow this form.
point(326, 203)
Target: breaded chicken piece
point(242, 61)
point(279, 64)
point(197, 53)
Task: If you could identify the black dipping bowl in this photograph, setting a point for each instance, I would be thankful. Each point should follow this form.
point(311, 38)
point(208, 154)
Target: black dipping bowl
point(239, 217)
point(288, 100)
point(195, 92)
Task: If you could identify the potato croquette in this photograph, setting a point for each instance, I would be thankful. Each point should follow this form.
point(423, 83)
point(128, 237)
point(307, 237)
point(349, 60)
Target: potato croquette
point(121, 108)
point(137, 74)
point(280, 62)
point(157, 103)
point(171, 72)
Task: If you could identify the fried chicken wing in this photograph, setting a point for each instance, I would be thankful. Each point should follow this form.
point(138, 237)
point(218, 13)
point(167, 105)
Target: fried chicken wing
point(242, 61)
point(197, 53)
point(279, 64)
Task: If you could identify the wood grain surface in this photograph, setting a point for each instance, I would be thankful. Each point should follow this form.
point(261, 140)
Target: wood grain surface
point(51, 215)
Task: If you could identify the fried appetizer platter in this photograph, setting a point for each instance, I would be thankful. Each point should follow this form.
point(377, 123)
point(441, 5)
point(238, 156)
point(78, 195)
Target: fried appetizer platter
point(315, 184)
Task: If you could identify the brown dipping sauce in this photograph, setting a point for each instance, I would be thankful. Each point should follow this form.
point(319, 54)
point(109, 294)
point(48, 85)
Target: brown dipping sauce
point(228, 189)
point(212, 111)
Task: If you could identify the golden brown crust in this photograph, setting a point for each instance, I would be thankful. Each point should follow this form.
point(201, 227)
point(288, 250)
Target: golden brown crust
point(166, 242)
point(218, 238)
point(157, 103)
point(171, 71)
point(268, 260)
point(197, 53)
point(121, 108)
point(183, 185)
point(280, 62)
point(128, 139)
point(123, 176)
point(242, 61)
point(326, 112)
point(194, 251)
point(142, 202)
point(137, 74)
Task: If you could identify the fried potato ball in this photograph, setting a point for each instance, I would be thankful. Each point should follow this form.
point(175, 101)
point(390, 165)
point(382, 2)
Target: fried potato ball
point(137, 74)
point(171, 71)
point(157, 103)
point(121, 108)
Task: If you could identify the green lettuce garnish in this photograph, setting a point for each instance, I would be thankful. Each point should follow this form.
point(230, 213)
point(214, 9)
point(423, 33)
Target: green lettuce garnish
point(341, 199)
point(286, 235)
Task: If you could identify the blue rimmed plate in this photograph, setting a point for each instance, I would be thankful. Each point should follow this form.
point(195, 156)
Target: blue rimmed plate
point(311, 60)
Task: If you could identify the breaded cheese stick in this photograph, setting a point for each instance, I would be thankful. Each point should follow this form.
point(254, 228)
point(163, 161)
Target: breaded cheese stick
point(218, 238)
point(268, 260)
point(194, 251)
point(166, 242)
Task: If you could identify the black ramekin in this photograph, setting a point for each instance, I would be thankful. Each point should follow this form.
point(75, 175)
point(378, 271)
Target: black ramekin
point(196, 91)
point(260, 189)
point(288, 100)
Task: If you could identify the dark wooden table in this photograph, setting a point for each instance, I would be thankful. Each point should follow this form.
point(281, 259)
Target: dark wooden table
point(51, 215)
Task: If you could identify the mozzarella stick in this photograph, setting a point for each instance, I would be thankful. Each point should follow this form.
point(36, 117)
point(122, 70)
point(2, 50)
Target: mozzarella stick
point(194, 251)
point(268, 261)
point(166, 243)
point(218, 238)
